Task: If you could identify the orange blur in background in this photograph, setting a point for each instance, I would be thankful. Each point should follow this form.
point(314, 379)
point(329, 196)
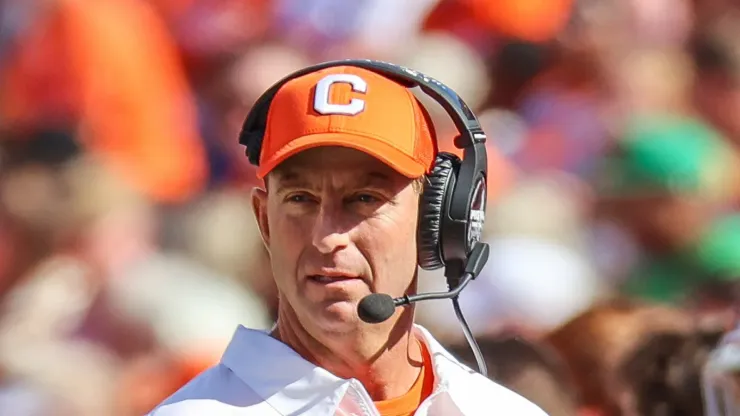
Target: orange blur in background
point(129, 253)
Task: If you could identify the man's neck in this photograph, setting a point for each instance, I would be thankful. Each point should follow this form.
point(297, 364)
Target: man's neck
point(386, 367)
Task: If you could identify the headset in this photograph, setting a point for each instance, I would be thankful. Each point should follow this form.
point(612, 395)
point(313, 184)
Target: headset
point(452, 207)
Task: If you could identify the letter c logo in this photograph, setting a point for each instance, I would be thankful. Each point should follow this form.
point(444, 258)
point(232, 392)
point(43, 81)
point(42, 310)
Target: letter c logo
point(321, 99)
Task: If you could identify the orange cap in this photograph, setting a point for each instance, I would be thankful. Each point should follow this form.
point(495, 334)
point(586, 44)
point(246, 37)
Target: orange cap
point(351, 107)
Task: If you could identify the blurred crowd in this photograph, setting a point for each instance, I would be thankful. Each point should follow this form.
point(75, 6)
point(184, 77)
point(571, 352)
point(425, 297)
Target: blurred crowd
point(128, 249)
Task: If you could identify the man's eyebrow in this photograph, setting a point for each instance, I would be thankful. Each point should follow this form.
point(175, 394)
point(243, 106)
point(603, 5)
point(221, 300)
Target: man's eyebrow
point(290, 178)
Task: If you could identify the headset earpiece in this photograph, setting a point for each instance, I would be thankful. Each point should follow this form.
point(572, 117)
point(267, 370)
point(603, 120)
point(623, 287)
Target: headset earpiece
point(432, 209)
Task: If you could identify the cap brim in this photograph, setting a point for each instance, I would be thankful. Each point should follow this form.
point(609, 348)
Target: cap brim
point(397, 159)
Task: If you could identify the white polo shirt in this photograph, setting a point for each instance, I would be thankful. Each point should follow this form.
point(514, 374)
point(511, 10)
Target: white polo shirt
point(259, 375)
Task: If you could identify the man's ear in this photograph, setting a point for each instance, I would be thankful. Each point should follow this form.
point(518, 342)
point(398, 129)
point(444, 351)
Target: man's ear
point(259, 207)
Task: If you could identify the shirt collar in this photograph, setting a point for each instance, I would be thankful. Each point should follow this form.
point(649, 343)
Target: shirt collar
point(279, 375)
point(290, 383)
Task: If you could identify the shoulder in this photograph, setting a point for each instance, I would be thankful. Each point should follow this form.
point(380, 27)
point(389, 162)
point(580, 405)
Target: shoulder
point(485, 391)
point(472, 391)
point(216, 391)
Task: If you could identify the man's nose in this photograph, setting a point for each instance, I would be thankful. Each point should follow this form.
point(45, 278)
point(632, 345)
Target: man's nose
point(330, 233)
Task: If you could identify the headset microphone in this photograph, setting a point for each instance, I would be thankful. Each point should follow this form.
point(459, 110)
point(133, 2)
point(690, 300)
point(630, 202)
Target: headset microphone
point(378, 307)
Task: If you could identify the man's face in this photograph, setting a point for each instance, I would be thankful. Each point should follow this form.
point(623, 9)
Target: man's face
point(339, 225)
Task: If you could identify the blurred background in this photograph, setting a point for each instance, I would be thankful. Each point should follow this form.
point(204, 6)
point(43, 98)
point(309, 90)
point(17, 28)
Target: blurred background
point(128, 249)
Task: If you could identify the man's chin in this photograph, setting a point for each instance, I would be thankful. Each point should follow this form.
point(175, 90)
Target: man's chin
point(337, 317)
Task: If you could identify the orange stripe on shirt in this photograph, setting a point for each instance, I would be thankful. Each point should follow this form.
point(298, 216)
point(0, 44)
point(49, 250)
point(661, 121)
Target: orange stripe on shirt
point(407, 404)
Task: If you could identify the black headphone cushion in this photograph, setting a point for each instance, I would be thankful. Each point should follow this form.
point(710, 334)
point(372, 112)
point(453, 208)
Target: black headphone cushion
point(432, 210)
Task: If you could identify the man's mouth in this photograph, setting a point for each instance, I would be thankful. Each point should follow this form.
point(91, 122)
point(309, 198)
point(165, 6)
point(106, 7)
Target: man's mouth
point(330, 279)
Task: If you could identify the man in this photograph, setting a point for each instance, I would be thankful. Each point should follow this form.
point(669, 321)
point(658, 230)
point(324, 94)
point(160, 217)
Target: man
point(343, 173)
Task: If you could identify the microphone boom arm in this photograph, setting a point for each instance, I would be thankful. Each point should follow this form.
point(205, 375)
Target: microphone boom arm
point(406, 299)
point(473, 267)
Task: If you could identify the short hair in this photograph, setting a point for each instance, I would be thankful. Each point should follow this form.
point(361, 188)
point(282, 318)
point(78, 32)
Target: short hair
point(419, 184)
point(664, 372)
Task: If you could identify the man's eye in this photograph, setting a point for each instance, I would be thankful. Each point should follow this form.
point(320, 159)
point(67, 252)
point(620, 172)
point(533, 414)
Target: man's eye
point(366, 199)
point(298, 198)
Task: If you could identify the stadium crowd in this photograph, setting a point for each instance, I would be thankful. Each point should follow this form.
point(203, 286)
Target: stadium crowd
point(129, 252)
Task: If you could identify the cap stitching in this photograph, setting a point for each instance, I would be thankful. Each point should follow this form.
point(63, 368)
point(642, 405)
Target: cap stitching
point(268, 121)
point(412, 98)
